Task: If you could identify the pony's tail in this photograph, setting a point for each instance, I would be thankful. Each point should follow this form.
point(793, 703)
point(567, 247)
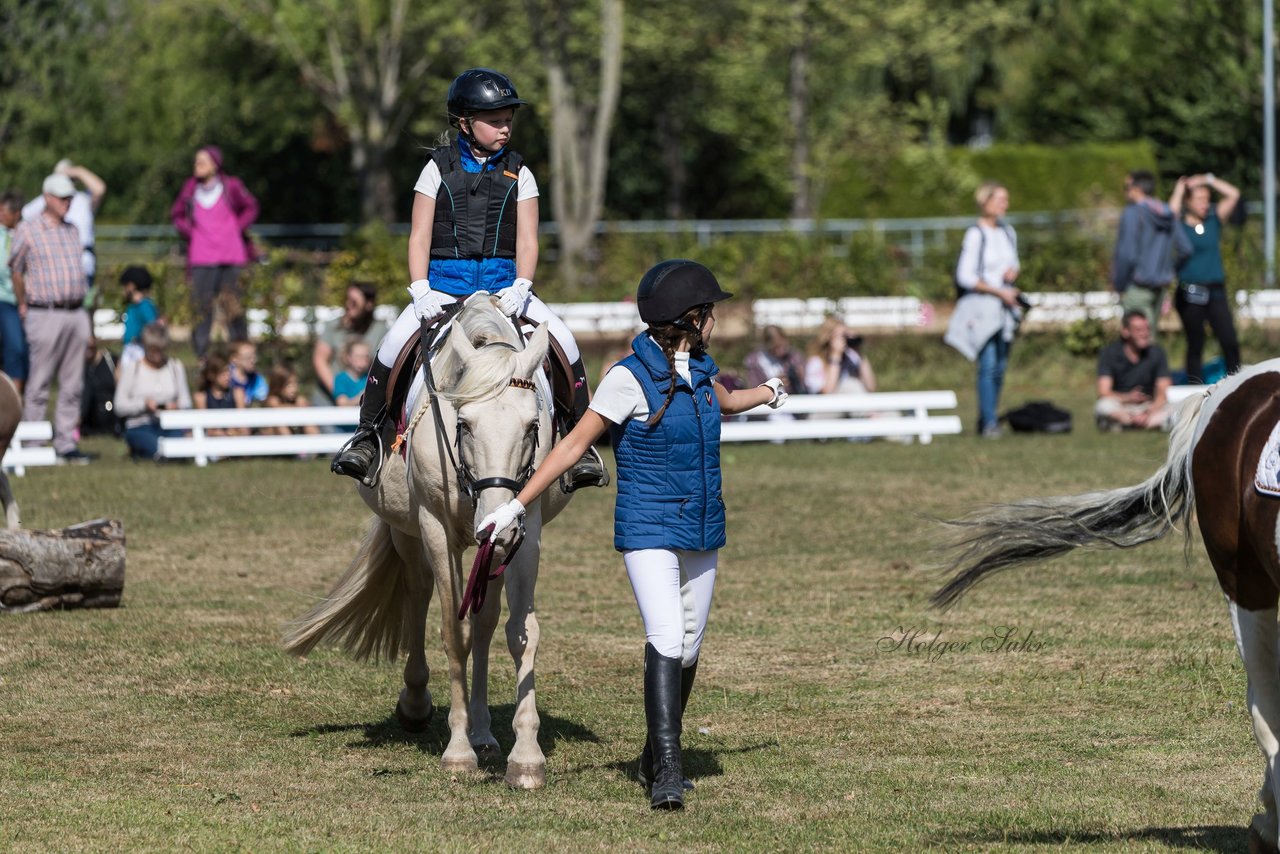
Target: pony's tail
point(1009, 535)
point(368, 611)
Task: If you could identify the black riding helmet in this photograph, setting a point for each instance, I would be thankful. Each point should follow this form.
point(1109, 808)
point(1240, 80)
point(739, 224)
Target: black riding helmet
point(672, 287)
point(478, 89)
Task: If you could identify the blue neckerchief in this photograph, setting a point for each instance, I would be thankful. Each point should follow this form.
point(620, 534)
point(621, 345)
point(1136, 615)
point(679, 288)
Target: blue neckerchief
point(469, 162)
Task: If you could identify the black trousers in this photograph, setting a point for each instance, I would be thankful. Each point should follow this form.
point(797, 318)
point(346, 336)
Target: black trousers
point(1218, 312)
point(221, 283)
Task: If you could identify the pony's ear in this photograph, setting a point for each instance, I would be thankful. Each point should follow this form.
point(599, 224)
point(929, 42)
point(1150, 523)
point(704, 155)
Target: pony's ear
point(461, 344)
point(529, 359)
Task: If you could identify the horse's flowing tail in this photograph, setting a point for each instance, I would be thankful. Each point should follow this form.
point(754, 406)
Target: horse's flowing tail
point(1009, 535)
point(368, 612)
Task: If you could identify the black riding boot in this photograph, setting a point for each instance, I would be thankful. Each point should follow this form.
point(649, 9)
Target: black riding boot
point(589, 470)
point(663, 715)
point(361, 457)
point(644, 773)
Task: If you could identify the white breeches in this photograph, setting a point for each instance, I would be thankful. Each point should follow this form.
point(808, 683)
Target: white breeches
point(673, 589)
point(402, 330)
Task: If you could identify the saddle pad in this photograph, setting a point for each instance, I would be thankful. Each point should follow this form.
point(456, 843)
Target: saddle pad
point(1267, 478)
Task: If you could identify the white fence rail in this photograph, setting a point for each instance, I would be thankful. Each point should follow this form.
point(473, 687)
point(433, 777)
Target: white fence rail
point(22, 454)
point(846, 416)
point(201, 446)
point(875, 314)
point(884, 414)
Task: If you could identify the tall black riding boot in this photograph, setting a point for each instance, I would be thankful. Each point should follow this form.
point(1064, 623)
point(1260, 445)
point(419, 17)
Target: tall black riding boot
point(361, 457)
point(663, 714)
point(644, 773)
point(589, 470)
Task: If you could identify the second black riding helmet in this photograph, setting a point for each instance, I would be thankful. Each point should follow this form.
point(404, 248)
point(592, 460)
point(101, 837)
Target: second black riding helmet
point(671, 288)
point(478, 89)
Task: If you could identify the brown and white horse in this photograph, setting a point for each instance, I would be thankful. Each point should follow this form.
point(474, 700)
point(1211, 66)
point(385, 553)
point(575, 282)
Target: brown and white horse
point(10, 416)
point(494, 409)
point(1214, 450)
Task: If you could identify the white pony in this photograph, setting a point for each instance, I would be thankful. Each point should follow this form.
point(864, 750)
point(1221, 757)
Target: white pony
point(494, 418)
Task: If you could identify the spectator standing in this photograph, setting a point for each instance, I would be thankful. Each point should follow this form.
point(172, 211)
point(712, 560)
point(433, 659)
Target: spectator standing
point(1133, 379)
point(1146, 246)
point(140, 312)
point(151, 384)
point(357, 320)
point(212, 213)
point(83, 211)
point(348, 385)
point(13, 341)
point(1202, 294)
point(988, 310)
point(836, 364)
point(49, 289)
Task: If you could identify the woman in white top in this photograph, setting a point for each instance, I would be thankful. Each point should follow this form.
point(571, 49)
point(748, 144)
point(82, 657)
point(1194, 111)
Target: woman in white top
point(988, 311)
point(146, 386)
point(836, 364)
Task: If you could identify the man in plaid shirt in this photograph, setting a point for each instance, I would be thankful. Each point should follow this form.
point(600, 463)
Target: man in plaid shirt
point(49, 287)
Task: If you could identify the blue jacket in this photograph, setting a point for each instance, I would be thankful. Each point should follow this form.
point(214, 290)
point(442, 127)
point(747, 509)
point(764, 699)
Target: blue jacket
point(669, 493)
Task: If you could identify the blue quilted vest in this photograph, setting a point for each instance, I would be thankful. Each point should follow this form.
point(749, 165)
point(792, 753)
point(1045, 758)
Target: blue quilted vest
point(669, 474)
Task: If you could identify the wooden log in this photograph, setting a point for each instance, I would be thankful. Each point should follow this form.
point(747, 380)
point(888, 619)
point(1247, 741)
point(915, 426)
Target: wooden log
point(77, 567)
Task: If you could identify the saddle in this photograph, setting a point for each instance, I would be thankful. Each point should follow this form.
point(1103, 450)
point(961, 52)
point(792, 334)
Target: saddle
point(556, 364)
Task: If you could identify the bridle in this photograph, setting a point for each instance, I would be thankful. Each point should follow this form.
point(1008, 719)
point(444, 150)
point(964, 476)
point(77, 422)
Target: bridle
point(468, 483)
point(477, 587)
point(471, 485)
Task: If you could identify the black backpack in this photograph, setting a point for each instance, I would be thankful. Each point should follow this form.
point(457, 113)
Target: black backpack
point(1039, 416)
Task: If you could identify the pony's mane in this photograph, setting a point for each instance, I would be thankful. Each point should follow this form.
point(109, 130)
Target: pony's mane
point(489, 371)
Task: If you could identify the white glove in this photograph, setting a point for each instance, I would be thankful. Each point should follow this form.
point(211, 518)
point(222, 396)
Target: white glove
point(501, 519)
point(427, 304)
point(514, 299)
point(779, 393)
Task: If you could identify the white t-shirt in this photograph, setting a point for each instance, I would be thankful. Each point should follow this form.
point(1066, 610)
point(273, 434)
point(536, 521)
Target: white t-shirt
point(996, 253)
point(620, 395)
point(429, 182)
point(80, 214)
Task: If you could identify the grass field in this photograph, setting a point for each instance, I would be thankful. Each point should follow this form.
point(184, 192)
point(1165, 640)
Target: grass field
point(818, 722)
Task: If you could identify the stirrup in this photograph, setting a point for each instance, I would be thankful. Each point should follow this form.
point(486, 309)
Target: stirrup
point(374, 472)
point(581, 475)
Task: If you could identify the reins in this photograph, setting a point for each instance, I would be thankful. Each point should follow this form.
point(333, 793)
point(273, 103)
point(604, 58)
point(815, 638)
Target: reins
point(477, 588)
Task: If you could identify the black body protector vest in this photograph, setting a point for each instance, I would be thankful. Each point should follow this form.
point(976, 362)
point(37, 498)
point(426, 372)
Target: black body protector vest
point(475, 211)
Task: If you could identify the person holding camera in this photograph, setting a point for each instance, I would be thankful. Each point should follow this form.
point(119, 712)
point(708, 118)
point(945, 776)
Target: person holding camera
point(1201, 294)
point(836, 364)
point(147, 386)
point(990, 306)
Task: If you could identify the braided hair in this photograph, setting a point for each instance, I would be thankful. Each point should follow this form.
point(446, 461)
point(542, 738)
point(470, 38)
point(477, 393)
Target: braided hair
point(668, 336)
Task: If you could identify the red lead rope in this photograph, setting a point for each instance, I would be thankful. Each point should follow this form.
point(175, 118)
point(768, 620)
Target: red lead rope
point(478, 582)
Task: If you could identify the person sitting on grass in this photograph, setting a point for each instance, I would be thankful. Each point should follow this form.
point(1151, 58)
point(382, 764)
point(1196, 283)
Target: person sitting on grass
point(147, 386)
point(1133, 379)
point(243, 360)
point(215, 392)
point(282, 391)
point(348, 385)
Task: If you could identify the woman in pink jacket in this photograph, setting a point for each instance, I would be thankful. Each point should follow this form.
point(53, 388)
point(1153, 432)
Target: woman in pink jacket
point(211, 214)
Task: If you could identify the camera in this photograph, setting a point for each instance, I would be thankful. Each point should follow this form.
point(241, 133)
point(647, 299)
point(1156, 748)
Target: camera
point(853, 342)
point(1024, 302)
